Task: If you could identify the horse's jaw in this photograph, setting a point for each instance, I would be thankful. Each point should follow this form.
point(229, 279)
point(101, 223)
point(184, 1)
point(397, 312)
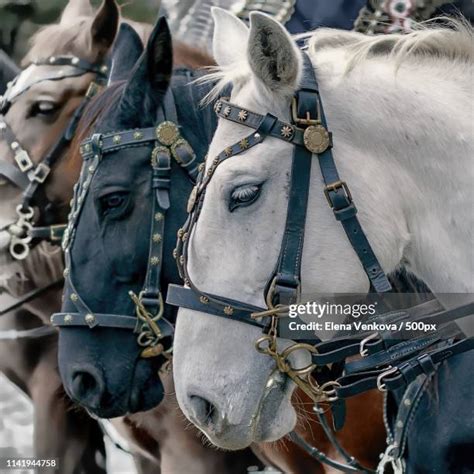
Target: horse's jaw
point(232, 393)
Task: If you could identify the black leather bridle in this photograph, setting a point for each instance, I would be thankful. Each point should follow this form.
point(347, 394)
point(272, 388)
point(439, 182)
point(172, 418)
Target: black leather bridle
point(308, 132)
point(166, 143)
point(24, 174)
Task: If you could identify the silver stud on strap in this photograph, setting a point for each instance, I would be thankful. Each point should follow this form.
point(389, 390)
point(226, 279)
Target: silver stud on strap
point(89, 319)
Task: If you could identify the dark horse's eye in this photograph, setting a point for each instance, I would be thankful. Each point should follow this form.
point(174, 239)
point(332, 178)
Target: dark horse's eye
point(244, 196)
point(114, 204)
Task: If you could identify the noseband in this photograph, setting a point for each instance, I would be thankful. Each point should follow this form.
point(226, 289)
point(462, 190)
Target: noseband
point(24, 174)
point(166, 143)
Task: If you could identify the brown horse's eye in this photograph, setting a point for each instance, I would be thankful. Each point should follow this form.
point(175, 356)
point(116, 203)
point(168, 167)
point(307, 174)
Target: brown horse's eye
point(44, 108)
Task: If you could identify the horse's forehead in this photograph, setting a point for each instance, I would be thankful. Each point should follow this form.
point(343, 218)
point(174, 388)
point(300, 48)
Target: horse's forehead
point(250, 96)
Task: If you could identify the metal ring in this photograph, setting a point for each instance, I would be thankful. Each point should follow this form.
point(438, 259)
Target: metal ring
point(331, 395)
point(25, 214)
point(262, 349)
point(19, 249)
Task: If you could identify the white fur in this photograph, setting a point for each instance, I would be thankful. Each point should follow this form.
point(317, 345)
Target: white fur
point(75, 9)
point(402, 125)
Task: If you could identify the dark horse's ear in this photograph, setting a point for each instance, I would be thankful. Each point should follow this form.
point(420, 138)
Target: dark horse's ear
point(150, 77)
point(127, 49)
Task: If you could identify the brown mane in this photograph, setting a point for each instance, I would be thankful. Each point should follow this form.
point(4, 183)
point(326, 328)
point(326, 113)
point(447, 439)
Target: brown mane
point(188, 56)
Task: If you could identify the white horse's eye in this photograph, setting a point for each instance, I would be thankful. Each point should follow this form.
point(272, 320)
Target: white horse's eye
point(244, 196)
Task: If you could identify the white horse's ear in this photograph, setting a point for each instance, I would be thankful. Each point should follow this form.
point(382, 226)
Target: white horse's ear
point(75, 9)
point(230, 37)
point(273, 55)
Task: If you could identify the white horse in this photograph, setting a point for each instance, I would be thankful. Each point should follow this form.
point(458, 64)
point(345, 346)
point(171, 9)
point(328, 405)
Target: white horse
point(400, 109)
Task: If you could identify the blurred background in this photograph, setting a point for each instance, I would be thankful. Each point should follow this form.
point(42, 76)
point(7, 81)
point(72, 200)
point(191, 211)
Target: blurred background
point(19, 19)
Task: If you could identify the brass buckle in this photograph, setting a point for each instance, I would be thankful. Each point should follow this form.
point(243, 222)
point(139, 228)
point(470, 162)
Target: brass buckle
point(41, 173)
point(335, 187)
point(303, 121)
point(92, 90)
point(53, 236)
point(380, 384)
point(23, 160)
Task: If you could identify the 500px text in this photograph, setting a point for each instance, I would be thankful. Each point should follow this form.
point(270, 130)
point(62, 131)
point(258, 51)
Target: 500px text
point(359, 326)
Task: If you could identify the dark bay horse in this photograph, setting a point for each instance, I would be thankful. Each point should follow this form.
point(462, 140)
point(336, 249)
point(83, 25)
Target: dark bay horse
point(101, 367)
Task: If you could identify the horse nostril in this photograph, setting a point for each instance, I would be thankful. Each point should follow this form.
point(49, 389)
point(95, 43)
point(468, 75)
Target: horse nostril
point(87, 387)
point(204, 411)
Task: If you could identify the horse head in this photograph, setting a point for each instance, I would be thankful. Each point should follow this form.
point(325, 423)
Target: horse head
point(38, 113)
point(111, 367)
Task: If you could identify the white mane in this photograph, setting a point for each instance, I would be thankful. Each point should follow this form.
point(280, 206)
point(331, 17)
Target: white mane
point(452, 41)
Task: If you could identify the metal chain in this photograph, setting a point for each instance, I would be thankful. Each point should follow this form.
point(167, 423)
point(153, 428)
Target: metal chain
point(19, 231)
point(150, 334)
point(301, 377)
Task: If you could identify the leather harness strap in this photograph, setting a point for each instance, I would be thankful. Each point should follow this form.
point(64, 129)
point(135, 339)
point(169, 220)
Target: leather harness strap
point(393, 378)
point(370, 344)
